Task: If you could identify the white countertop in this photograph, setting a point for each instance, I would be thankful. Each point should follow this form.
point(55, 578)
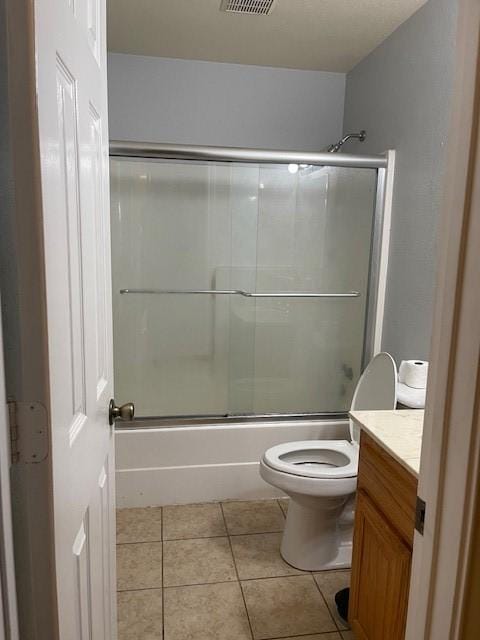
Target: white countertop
point(399, 432)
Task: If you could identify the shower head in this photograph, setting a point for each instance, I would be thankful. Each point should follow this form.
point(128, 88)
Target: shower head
point(333, 148)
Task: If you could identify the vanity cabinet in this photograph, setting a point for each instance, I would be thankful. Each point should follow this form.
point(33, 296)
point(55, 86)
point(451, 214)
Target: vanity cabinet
point(382, 545)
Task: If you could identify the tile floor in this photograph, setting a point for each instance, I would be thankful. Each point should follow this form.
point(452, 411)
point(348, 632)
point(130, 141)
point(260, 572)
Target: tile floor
point(214, 572)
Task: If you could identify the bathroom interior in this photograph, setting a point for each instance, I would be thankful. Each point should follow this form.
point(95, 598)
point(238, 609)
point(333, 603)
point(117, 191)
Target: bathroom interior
point(275, 173)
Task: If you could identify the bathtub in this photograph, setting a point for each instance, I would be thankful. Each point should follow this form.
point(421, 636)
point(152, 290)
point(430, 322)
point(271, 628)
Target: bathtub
point(165, 465)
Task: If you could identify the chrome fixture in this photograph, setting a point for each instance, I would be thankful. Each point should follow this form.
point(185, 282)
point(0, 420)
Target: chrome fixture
point(245, 294)
point(333, 148)
point(126, 412)
point(127, 149)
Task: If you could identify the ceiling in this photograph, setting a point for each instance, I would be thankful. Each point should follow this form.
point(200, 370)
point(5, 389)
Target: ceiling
point(327, 35)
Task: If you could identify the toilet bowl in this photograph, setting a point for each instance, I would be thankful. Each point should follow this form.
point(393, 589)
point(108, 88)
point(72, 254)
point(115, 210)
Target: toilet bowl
point(320, 477)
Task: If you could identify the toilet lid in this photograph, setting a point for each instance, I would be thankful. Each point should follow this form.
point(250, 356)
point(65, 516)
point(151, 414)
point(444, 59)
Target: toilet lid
point(326, 459)
point(376, 389)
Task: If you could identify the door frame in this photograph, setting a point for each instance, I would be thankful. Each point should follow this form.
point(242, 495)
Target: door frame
point(8, 592)
point(24, 319)
point(450, 461)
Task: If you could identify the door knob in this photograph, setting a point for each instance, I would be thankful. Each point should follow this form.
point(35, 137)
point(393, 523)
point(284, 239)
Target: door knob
point(125, 412)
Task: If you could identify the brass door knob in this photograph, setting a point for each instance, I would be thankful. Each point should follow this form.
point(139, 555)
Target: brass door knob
point(125, 412)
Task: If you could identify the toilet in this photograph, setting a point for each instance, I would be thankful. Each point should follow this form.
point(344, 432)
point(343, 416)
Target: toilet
point(320, 477)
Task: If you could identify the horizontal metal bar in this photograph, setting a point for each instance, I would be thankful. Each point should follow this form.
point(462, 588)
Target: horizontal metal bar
point(155, 422)
point(299, 294)
point(236, 154)
point(218, 292)
point(245, 294)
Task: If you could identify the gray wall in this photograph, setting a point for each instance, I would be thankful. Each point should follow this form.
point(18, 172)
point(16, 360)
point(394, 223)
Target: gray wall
point(401, 95)
point(193, 102)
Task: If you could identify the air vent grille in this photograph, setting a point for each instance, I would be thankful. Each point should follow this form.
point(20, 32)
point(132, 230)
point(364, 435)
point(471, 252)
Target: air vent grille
point(253, 7)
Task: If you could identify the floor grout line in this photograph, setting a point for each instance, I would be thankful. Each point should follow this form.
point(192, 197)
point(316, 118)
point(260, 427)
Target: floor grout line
point(281, 508)
point(201, 584)
point(139, 589)
point(121, 544)
point(286, 575)
point(305, 635)
point(255, 533)
point(236, 573)
point(163, 577)
point(328, 608)
point(237, 579)
point(223, 535)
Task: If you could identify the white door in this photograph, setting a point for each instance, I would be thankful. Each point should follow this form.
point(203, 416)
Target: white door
point(8, 601)
point(70, 41)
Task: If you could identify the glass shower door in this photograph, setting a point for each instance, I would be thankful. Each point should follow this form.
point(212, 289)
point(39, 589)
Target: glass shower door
point(314, 232)
point(171, 232)
point(249, 234)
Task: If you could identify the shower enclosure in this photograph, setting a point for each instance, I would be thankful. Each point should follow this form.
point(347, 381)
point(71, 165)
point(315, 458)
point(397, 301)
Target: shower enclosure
point(244, 281)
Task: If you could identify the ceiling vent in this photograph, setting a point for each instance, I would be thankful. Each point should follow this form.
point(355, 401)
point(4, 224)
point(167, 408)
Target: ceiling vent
point(252, 7)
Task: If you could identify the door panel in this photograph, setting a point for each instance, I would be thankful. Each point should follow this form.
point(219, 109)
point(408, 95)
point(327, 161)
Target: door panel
point(381, 576)
point(101, 530)
point(82, 576)
point(73, 136)
point(72, 322)
point(102, 258)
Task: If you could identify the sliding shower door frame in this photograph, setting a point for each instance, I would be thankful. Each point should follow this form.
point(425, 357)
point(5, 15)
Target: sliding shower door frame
point(160, 151)
point(383, 163)
point(151, 422)
point(378, 267)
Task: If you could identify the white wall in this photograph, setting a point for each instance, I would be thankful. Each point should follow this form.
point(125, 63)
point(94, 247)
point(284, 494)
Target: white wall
point(401, 95)
point(194, 102)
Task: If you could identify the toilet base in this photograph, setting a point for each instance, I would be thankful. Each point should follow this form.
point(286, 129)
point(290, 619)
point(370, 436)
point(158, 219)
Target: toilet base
point(316, 537)
point(343, 560)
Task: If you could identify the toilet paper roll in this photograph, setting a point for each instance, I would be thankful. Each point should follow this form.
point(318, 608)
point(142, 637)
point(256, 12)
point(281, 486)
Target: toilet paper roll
point(413, 373)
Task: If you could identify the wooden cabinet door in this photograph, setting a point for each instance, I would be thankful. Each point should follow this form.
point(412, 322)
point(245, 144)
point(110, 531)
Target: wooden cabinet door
point(380, 576)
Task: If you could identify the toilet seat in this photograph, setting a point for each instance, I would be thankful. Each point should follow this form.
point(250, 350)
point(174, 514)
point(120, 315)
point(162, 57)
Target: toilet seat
point(375, 390)
point(322, 459)
point(337, 459)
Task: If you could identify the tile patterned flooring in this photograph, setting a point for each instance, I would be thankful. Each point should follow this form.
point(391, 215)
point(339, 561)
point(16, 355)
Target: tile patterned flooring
point(214, 572)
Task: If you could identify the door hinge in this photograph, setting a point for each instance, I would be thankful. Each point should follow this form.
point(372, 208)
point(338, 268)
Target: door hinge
point(420, 515)
point(28, 432)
